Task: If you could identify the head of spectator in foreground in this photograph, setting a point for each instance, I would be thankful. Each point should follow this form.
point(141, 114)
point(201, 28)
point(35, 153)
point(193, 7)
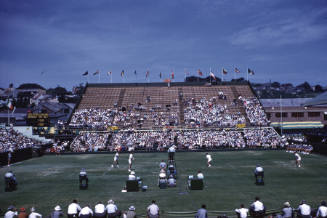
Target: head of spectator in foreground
point(287, 204)
point(111, 201)
point(153, 201)
point(203, 206)
point(75, 201)
point(131, 208)
point(257, 198)
point(57, 208)
point(323, 203)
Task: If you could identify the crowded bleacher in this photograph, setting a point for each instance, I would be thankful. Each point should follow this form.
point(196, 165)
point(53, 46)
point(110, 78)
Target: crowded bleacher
point(11, 140)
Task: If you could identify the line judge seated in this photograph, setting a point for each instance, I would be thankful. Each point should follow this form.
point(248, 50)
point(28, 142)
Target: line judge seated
point(162, 182)
point(10, 181)
point(83, 179)
point(200, 175)
point(132, 176)
point(196, 182)
point(171, 181)
point(259, 174)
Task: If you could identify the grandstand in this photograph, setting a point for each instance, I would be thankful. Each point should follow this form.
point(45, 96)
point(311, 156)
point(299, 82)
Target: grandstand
point(157, 99)
point(139, 115)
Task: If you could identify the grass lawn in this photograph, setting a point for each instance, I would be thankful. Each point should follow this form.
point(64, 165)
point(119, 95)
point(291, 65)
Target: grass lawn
point(51, 180)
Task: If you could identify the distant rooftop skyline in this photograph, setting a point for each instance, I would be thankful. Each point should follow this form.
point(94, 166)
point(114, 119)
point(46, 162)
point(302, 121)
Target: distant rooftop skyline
point(54, 42)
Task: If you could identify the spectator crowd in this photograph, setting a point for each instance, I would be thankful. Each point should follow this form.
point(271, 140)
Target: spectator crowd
point(257, 209)
point(126, 140)
point(11, 140)
point(209, 113)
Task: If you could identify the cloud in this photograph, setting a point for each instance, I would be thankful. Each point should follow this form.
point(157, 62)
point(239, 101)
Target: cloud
point(298, 28)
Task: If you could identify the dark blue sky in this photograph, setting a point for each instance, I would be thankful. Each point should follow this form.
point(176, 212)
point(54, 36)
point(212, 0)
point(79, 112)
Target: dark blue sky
point(280, 40)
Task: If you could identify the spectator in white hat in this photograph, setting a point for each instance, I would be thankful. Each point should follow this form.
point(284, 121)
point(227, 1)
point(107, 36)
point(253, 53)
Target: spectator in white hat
point(57, 213)
point(131, 212)
point(287, 211)
point(112, 210)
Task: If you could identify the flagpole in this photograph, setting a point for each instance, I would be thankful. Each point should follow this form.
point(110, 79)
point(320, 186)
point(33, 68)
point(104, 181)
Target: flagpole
point(247, 74)
point(99, 77)
point(184, 74)
point(281, 116)
point(210, 74)
point(8, 117)
point(222, 74)
point(234, 73)
point(111, 78)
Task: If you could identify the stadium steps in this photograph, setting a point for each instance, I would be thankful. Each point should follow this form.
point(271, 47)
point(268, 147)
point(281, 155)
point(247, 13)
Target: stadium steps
point(242, 109)
point(181, 106)
point(121, 97)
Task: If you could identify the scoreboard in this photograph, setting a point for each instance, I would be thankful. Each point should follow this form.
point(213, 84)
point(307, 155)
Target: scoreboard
point(39, 119)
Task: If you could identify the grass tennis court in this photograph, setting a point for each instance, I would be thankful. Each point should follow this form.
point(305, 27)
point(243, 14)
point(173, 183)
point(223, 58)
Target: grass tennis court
point(50, 180)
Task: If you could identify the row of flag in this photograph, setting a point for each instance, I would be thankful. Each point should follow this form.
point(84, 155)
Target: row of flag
point(172, 75)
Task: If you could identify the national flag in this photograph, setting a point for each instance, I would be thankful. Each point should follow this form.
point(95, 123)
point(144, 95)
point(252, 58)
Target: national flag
point(200, 72)
point(250, 72)
point(160, 75)
point(96, 73)
point(237, 70)
point(224, 71)
point(172, 75)
point(135, 72)
point(109, 73)
point(212, 75)
point(86, 72)
point(122, 73)
point(147, 73)
point(10, 105)
point(167, 80)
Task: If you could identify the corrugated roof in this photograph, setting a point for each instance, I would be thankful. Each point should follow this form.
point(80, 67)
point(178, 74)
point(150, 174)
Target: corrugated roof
point(319, 100)
point(285, 102)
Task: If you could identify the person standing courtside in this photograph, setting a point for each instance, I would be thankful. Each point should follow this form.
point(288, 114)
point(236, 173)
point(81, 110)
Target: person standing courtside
point(171, 152)
point(73, 209)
